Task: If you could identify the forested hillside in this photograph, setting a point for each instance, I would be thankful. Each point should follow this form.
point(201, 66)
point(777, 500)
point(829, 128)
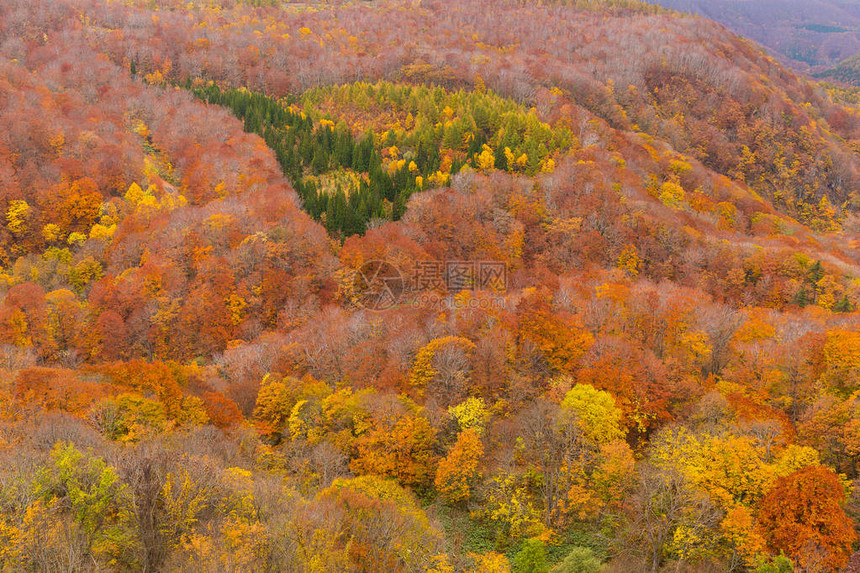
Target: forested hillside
point(810, 36)
point(469, 285)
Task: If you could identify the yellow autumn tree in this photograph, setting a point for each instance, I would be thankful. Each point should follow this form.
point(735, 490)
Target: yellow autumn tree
point(491, 562)
point(671, 194)
point(17, 217)
point(471, 414)
point(734, 471)
point(486, 159)
point(629, 261)
point(595, 412)
point(509, 504)
point(277, 398)
point(450, 373)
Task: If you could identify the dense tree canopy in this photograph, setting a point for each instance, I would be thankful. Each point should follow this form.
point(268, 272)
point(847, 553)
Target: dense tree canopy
point(617, 248)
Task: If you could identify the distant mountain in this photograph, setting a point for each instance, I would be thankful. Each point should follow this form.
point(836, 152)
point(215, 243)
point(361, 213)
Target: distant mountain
point(847, 71)
point(812, 36)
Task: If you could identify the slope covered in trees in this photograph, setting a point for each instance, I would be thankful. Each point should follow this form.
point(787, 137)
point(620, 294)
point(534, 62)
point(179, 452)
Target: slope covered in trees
point(357, 153)
point(809, 36)
point(681, 79)
point(847, 71)
point(664, 375)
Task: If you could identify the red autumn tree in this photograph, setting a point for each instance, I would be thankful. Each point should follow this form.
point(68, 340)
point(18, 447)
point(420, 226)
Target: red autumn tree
point(222, 411)
point(802, 516)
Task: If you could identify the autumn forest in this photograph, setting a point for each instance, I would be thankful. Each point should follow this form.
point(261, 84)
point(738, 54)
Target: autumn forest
point(484, 286)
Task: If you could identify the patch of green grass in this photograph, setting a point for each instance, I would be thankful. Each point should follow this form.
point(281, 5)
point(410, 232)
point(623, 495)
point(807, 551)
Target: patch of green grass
point(465, 534)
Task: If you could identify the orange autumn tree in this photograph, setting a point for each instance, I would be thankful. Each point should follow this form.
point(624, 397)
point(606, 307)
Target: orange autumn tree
point(162, 381)
point(222, 411)
point(842, 360)
point(557, 335)
point(73, 205)
point(802, 516)
point(399, 447)
point(832, 426)
point(24, 316)
point(458, 471)
point(56, 389)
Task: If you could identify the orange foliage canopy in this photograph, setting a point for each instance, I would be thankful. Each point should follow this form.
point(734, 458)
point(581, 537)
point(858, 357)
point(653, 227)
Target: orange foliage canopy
point(802, 516)
point(57, 389)
point(558, 337)
point(459, 469)
point(402, 450)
